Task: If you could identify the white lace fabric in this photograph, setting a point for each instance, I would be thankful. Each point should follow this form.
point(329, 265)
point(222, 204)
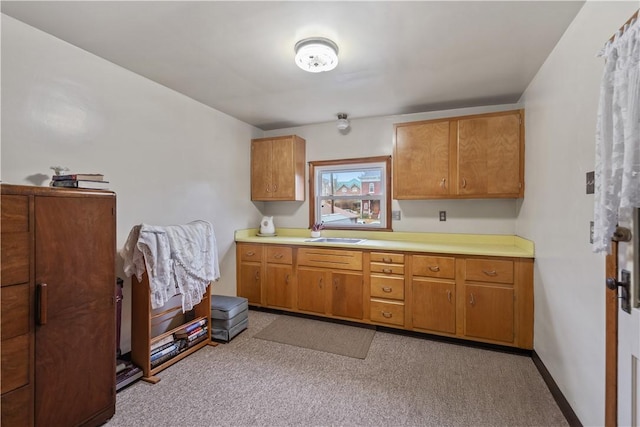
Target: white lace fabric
point(617, 171)
point(179, 259)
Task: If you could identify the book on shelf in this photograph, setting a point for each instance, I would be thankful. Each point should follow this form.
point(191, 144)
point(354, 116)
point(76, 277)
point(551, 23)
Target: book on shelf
point(79, 177)
point(166, 340)
point(162, 347)
point(199, 333)
point(160, 360)
point(159, 354)
point(196, 340)
point(186, 330)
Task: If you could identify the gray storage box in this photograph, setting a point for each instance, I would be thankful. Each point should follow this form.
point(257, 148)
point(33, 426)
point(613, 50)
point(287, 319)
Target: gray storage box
point(229, 316)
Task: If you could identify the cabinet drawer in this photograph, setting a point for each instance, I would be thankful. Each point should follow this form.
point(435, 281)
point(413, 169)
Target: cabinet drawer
point(15, 363)
point(15, 310)
point(16, 408)
point(489, 270)
point(15, 214)
point(387, 312)
point(388, 258)
point(250, 252)
point(434, 266)
point(387, 287)
point(327, 258)
point(14, 259)
point(387, 268)
point(279, 254)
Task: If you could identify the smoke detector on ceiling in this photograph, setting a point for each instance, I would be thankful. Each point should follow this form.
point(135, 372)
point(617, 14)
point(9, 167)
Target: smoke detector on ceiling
point(343, 122)
point(316, 54)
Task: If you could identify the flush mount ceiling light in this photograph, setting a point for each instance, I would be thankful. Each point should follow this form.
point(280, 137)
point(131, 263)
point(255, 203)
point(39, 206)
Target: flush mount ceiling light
point(343, 123)
point(316, 54)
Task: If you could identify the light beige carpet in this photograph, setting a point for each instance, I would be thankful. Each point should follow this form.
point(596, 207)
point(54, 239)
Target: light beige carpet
point(351, 341)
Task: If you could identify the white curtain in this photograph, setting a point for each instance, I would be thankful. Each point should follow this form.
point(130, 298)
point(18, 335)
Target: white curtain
point(617, 171)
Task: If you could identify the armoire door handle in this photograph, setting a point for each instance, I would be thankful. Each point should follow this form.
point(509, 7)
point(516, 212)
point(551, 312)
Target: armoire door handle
point(41, 303)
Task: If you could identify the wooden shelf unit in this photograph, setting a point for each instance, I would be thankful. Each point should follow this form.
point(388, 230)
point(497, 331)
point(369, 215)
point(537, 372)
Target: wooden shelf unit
point(142, 334)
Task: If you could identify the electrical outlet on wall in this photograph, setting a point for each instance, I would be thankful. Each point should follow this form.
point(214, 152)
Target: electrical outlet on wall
point(395, 215)
point(443, 215)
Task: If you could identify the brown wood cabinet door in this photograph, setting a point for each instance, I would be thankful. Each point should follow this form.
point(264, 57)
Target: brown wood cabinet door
point(75, 348)
point(283, 169)
point(251, 283)
point(489, 157)
point(421, 161)
point(346, 295)
point(279, 286)
point(311, 289)
point(434, 305)
point(261, 170)
point(489, 312)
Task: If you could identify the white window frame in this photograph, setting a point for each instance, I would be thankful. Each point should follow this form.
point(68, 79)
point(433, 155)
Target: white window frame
point(317, 168)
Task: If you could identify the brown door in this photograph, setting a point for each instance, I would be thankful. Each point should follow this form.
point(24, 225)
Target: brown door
point(75, 343)
point(611, 341)
point(346, 295)
point(311, 290)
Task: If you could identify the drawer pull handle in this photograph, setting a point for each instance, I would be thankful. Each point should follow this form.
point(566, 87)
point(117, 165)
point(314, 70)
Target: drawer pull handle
point(472, 300)
point(448, 295)
point(250, 253)
point(490, 272)
point(387, 314)
point(387, 270)
point(387, 260)
point(434, 268)
point(278, 256)
point(386, 289)
point(41, 295)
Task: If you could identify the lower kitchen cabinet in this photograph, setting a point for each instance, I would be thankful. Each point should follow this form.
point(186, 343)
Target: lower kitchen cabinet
point(476, 298)
point(312, 284)
point(434, 305)
point(489, 313)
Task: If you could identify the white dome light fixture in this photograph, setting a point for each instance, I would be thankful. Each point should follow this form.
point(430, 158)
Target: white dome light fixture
point(343, 122)
point(316, 54)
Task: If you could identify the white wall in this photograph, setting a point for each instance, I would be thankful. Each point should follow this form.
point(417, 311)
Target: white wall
point(374, 137)
point(561, 104)
point(169, 158)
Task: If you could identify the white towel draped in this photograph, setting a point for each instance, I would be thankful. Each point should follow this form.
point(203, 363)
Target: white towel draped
point(179, 259)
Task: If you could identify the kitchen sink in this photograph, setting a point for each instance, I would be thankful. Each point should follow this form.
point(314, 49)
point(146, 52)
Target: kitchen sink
point(347, 240)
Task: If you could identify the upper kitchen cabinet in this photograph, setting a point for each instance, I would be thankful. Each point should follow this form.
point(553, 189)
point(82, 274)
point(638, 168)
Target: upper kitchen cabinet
point(479, 156)
point(278, 168)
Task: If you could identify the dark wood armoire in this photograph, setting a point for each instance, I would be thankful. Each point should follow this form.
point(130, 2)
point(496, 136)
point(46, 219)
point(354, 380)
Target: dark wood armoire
point(58, 306)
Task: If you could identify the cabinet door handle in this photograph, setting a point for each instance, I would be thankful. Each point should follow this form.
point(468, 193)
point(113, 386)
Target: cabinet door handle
point(268, 190)
point(257, 276)
point(387, 260)
point(286, 279)
point(41, 303)
point(387, 270)
point(434, 268)
point(250, 253)
point(278, 256)
point(387, 314)
point(490, 272)
point(464, 183)
point(449, 295)
point(275, 188)
point(320, 283)
point(472, 300)
point(386, 289)
point(443, 183)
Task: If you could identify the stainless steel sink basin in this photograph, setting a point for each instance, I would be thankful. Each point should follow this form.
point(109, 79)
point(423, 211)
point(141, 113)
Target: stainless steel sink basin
point(346, 240)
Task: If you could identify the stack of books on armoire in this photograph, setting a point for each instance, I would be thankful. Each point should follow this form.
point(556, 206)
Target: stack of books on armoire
point(93, 181)
point(174, 344)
